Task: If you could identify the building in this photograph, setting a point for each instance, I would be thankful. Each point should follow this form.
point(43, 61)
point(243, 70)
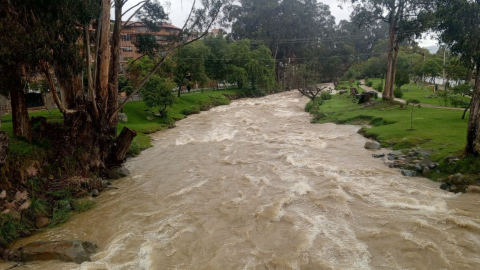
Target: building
point(133, 29)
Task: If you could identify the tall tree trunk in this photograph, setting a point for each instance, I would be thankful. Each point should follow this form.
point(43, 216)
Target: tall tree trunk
point(473, 131)
point(388, 91)
point(20, 119)
point(103, 55)
point(115, 64)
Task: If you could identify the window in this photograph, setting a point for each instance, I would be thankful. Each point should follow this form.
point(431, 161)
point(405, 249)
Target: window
point(126, 37)
point(142, 29)
point(127, 49)
point(160, 38)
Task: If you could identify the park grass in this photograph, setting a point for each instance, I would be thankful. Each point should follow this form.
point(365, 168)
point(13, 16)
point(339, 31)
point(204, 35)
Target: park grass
point(441, 131)
point(137, 119)
point(423, 93)
point(346, 86)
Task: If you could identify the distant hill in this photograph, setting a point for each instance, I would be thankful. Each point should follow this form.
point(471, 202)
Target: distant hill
point(432, 49)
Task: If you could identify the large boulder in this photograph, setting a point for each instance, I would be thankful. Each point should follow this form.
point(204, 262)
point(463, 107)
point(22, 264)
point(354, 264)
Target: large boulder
point(117, 173)
point(68, 251)
point(372, 145)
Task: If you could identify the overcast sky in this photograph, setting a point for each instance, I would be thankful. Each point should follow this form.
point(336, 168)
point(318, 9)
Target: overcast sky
point(178, 11)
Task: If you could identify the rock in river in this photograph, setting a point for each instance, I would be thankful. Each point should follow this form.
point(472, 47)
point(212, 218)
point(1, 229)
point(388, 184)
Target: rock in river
point(409, 173)
point(117, 173)
point(372, 145)
point(68, 251)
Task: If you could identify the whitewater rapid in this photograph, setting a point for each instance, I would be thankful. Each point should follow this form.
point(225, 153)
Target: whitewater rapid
point(255, 185)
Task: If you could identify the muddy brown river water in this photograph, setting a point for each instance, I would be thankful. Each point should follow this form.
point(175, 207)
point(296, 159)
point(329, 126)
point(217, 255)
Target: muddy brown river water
point(254, 185)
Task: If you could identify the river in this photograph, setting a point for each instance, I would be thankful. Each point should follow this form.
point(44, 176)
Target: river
point(254, 185)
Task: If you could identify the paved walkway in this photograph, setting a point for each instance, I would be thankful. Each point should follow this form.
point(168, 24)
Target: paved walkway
point(367, 88)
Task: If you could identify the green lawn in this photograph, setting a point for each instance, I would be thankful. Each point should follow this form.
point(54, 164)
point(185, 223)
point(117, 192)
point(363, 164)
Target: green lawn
point(137, 117)
point(346, 86)
point(440, 130)
point(422, 93)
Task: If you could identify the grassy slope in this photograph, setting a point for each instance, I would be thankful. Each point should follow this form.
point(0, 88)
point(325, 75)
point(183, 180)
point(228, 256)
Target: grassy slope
point(440, 130)
point(137, 118)
point(420, 92)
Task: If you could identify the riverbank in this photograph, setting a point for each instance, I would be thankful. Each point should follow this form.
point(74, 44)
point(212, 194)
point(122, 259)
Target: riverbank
point(254, 184)
point(439, 132)
point(36, 193)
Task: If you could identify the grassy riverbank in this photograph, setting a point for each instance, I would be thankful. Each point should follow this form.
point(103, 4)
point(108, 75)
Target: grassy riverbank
point(439, 131)
point(52, 190)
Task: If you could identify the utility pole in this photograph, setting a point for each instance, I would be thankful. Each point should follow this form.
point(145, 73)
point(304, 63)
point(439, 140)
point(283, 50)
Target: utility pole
point(444, 61)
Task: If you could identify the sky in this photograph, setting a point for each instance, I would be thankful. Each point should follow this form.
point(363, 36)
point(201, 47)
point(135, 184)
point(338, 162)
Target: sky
point(178, 11)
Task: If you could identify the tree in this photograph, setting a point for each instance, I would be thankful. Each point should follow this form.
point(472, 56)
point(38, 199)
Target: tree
point(458, 22)
point(406, 19)
point(157, 94)
point(53, 37)
point(188, 64)
point(413, 103)
point(402, 78)
point(216, 62)
point(289, 28)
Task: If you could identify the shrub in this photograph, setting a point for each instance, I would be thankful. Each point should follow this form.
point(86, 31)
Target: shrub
point(134, 149)
point(369, 84)
point(379, 87)
point(191, 110)
point(398, 93)
point(83, 206)
point(310, 107)
point(326, 96)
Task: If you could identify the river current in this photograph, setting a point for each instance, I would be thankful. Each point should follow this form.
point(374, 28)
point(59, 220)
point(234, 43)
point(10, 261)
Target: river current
point(254, 185)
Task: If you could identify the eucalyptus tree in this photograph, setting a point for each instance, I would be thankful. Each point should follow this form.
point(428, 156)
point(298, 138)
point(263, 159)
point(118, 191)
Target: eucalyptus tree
point(289, 28)
point(458, 22)
point(406, 20)
point(55, 37)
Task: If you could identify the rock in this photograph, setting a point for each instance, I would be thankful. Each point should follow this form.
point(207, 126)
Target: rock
point(456, 179)
point(364, 98)
point(372, 145)
point(68, 251)
point(395, 153)
point(341, 92)
point(426, 172)
point(423, 154)
point(42, 222)
point(50, 177)
point(412, 154)
point(149, 118)
point(106, 183)
point(445, 186)
point(417, 167)
point(473, 189)
point(12, 213)
point(391, 157)
point(432, 166)
point(382, 109)
point(95, 193)
point(378, 155)
point(122, 118)
point(117, 173)
point(409, 173)
point(447, 159)
point(64, 204)
point(441, 180)
point(399, 164)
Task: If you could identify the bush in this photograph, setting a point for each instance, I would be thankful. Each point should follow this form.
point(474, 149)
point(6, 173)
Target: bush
point(398, 93)
point(134, 149)
point(379, 87)
point(326, 96)
point(191, 110)
point(310, 108)
point(369, 84)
